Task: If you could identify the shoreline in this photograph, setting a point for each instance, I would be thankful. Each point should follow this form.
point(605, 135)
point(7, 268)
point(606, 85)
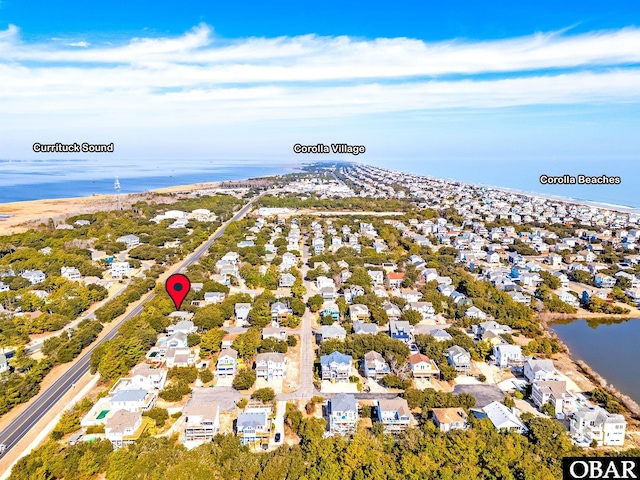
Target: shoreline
point(533, 194)
point(631, 405)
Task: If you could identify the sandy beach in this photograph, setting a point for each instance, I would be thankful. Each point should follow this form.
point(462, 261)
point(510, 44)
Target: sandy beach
point(26, 215)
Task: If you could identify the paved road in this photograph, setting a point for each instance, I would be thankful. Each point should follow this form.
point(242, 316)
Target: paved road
point(38, 408)
point(307, 354)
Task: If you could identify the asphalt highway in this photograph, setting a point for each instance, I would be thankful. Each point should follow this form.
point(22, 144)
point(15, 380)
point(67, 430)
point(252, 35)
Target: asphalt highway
point(39, 407)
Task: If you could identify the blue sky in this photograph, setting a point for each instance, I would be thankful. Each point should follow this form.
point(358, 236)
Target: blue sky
point(414, 81)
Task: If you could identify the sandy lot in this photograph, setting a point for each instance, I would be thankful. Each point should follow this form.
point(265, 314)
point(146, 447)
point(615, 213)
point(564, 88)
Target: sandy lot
point(25, 215)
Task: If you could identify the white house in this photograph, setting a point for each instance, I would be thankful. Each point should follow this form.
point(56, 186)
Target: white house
point(227, 363)
point(425, 308)
point(551, 391)
point(271, 365)
point(394, 414)
point(70, 273)
point(539, 370)
point(4, 364)
point(34, 276)
point(145, 377)
point(423, 367)
point(374, 365)
point(201, 415)
point(130, 240)
point(507, 355)
point(343, 413)
point(120, 269)
point(138, 400)
point(597, 424)
point(121, 428)
point(502, 417)
point(242, 311)
point(475, 312)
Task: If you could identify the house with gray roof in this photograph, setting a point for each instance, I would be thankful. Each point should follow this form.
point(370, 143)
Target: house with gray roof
point(201, 415)
point(138, 400)
point(459, 358)
point(334, 331)
point(254, 425)
point(394, 414)
point(343, 413)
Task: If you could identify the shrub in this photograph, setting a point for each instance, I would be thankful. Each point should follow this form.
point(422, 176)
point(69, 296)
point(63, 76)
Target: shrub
point(206, 375)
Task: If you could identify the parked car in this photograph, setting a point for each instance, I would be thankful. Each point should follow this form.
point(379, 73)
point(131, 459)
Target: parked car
point(278, 436)
point(414, 348)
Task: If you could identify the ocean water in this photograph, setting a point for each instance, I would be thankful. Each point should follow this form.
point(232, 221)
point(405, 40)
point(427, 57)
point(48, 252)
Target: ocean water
point(524, 176)
point(44, 179)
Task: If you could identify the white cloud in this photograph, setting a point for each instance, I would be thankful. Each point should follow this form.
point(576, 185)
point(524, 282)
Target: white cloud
point(83, 44)
point(199, 79)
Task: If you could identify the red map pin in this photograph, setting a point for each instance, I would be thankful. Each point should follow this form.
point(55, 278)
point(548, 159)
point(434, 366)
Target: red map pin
point(177, 286)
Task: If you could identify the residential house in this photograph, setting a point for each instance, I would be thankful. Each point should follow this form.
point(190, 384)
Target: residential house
point(394, 414)
point(597, 424)
point(254, 425)
point(502, 417)
point(332, 310)
point(353, 292)
point(425, 308)
point(410, 295)
point(475, 313)
point(129, 240)
point(400, 330)
point(336, 367)
point(138, 400)
point(274, 332)
point(201, 415)
point(124, 428)
point(271, 365)
point(423, 367)
point(459, 358)
point(440, 335)
point(4, 287)
point(374, 366)
point(119, 269)
point(604, 281)
point(539, 370)
point(184, 326)
point(358, 312)
point(363, 328)
point(286, 280)
point(395, 279)
point(4, 364)
point(70, 273)
point(490, 326)
point(279, 311)
point(146, 377)
point(446, 290)
point(447, 419)
point(508, 355)
point(377, 277)
point(179, 357)
point(392, 310)
point(34, 276)
point(242, 311)
point(343, 413)
point(568, 298)
point(227, 363)
point(211, 298)
point(334, 331)
point(551, 391)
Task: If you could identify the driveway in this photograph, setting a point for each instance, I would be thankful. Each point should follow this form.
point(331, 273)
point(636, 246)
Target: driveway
point(484, 394)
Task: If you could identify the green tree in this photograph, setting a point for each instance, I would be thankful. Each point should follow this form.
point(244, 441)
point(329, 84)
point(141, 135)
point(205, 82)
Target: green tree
point(264, 395)
point(244, 379)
